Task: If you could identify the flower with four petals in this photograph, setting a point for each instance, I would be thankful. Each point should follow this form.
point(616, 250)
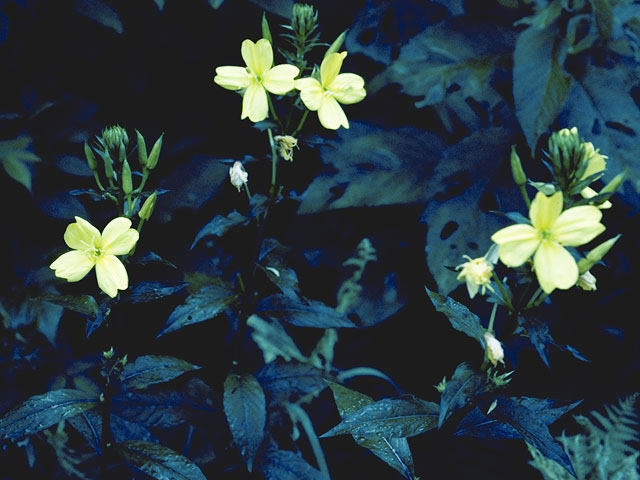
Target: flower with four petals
point(94, 249)
point(551, 231)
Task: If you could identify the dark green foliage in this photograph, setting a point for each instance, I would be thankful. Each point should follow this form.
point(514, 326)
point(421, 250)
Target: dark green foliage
point(460, 317)
point(150, 369)
point(157, 461)
point(287, 465)
point(302, 312)
point(460, 391)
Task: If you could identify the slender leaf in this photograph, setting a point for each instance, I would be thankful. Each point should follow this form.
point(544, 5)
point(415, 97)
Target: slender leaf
point(149, 291)
point(157, 461)
point(464, 385)
point(302, 313)
point(84, 304)
point(42, 411)
point(100, 12)
point(104, 309)
point(290, 378)
point(460, 317)
point(245, 409)
point(219, 225)
point(273, 340)
point(150, 369)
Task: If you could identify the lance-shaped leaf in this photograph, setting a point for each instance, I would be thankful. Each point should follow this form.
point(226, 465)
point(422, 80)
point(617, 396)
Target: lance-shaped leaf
point(150, 369)
point(286, 465)
point(42, 411)
point(104, 309)
point(394, 452)
point(290, 378)
point(208, 302)
point(460, 390)
point(157, 461)
point(149, 291)
point(245, 409)
point(84, 304)
point(389, 418)
point(460, 317)
point(302, 313)
point(219, 225)
point(273, 340)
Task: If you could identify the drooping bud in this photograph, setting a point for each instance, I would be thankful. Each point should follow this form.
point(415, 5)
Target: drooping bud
point(337, 43)
point(587, 281)
point(286, 144)
point(516, 168)
point(91, 158)
point(147, 207)
point(127, 183)
point(493, 349)
point(142, 149)
point(152, 161)
point(238, 175)
point(595, 255)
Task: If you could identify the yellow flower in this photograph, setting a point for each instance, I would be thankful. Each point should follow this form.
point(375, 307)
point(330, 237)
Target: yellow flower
point(477, 273)
point(257, 78)
point(552, 229)
point(597, 163)
point(90, 248)
point(332, 88)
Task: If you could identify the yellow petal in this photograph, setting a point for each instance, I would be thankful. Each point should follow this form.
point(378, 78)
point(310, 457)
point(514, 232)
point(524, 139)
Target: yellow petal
point(597, 161)
point(258, 56)
point(311, 92)
point(331, 115)
point(516, 243)
point(73, 265)
point(111, 274)
point(554, 266)
point(232, 78)
point(118, 238)
point(588, 192)
point(254, 103)
point(578, 225)
point(81, 235)
point(545, 210)
point(330, 67)
point(348, 88)
point(279, 79)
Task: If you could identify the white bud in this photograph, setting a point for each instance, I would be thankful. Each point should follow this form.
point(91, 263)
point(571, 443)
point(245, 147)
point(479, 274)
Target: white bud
point(493, 347)
point(238, 175)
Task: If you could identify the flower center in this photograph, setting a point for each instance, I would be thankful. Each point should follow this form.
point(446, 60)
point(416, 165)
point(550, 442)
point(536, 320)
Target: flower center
point(93, 249)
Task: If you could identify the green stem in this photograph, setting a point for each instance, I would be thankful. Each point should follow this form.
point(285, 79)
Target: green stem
point(525, 195)
point(541, 299)
point(503, 292)
point(492, 318)
point(272, 110)
point(274, 160)
point(533, 298)
point(301, 123)
point(246, 189)
point(98, 182)
point(145, 175)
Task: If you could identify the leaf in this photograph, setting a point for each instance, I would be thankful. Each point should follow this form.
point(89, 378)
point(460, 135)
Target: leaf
point(389, 418)
point(245, 409)
point(84, 304)
point(460, 390)
point(159, 4)
point(215, 4)
point(478, 425)
point(603, 13)
point(539, 335)
point(540, 84)
point(15, 157)
point(219, 225)
point(149, 291)
point(207, 303)
point(460, 317)
point(273, 340)
point(394, 452)
point(150, 369)
point(42, 411)
point(151, 258)
point(157, 461)
point(286, 465)
point(104, 309)
point(44, 315)
point(290, 378)
point(101, 13)
point(302, 313)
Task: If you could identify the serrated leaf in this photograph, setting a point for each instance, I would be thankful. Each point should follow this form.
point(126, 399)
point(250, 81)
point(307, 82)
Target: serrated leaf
point(290, 378)
point(460, 317)
point(539, 335)
point(42, 411)
point(540, 84)
point(219, 225)
point(302, 313)
point(207, 303)
point(478, 425)
point(245, 409)
point(84, 304)
point(273, 340)
point(394, 452)
point(286, 465)
point(100, 12)
point(389, 418)
point(157, 461)
point(460, 390)
point(150, 369)
point(149, 291)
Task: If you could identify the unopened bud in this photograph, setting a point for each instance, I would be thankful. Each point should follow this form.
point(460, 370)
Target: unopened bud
point(152, 161)
point(122, 153)
point(614, 184)
point(304, 19)
point(113, 136)
point(147, 207)
point(108, 354)
point(587, 281)
point(516, 168)
point(238, 175)
point(595, 255)
point(142, 149)
point(127, 183)
point(108, 164)
point(266, 31)
point(493, 348)
point(337, 43)
point(91, 158)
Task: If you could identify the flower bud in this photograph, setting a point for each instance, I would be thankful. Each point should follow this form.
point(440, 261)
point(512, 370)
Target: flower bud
point(238, 175)
point(587, 281)
point(108, 164)
point(142, 149)
point(152, 161)
point(127, 183)
point(91, 158)
point(615, 183)
point(113, 136)
point(147, 207)
point(304, 19)
point(286, 143)
point(122, 153)
point(595, 255)
point(337, 43)
point(493, 349)
point(266, 31)
point(516, 168)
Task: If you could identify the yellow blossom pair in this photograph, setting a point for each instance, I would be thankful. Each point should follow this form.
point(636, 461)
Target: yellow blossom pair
point(94, 249)
point(550, 231)
point(260, 77)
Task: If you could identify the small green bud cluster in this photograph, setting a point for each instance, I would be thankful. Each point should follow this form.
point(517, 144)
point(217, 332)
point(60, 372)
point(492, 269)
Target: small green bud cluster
point(303, 36)
point(111, 148)
point(570, 158)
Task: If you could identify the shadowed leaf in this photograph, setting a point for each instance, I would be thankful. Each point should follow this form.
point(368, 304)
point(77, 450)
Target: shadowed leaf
point(460, 390)
point(286, 465)
point(302, 313)
point(150, 369)
point(460, 317)
point(157, 461)
point(149, 291)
